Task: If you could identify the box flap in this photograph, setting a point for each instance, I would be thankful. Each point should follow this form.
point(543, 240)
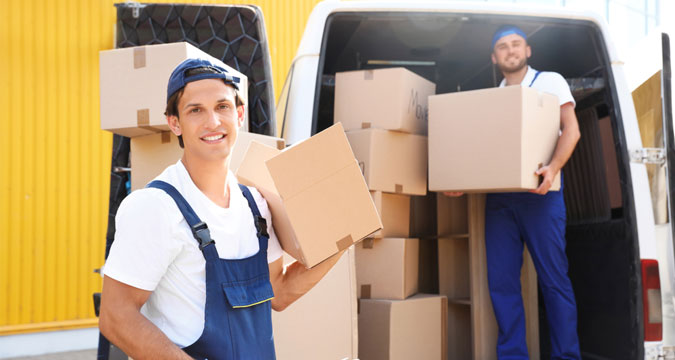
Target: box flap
point(310, 161)
point(252, 170)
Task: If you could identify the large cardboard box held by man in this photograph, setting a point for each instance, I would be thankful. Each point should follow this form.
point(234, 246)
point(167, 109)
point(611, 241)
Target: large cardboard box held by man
point(392, 99)
point(319, 201)
point(133, 85)
point(414, 328)
point(391, 161)
point(387, 268)
point(151, 154)
point(491, 140)
point(323, 323)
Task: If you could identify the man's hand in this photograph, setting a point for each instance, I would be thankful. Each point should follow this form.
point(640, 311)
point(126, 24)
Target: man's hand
point(453, 193)
point(548, 173)
point(297, 280)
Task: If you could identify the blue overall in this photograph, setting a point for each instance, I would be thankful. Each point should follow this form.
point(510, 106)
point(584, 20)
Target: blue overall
point(539, 221)
point(238, 312)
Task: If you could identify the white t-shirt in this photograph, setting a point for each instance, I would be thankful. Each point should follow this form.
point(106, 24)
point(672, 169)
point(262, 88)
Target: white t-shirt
point(548, 82)
point(154, 249)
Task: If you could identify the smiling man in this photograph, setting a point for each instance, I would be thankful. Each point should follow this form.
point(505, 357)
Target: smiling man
point(196, 267)
point(536, 218)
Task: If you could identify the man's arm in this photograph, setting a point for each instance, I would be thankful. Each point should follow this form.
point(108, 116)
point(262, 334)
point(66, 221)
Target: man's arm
point(122, 323)
point(563, 150)
point(297, 280)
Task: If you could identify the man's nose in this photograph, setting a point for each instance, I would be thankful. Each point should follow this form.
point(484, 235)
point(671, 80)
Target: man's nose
point(212, 120)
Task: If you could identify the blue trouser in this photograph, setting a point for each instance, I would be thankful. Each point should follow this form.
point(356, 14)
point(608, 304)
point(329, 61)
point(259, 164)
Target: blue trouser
point(539, 221)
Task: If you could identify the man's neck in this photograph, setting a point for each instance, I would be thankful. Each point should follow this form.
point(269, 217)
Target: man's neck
point(210, 177)
point(515, 78)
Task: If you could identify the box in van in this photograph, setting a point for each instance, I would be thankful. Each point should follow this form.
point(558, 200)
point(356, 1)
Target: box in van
point(133, 85)
point(414, 328)
point(392, 99)
point(394, 211)
point(391, 161)
point(387, 268)
point(491, 140)
point(318, 187)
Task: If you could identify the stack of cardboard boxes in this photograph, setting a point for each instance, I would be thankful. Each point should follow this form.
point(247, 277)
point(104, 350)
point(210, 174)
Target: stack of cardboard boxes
point(384, 116)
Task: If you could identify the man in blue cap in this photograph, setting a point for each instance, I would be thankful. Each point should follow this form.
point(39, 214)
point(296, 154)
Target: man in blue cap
point(196, 267)
point(536, 219)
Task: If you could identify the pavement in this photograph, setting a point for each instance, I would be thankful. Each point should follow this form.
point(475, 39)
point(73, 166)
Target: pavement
point(71, 355)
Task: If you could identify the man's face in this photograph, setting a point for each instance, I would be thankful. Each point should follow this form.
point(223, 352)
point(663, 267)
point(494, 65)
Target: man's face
point(510, 53)
point(208, 119)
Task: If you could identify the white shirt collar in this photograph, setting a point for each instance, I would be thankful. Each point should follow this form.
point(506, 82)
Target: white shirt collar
point(529, 76)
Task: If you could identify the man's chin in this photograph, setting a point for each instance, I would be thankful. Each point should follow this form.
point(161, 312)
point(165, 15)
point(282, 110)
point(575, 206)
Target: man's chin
point(506, 69)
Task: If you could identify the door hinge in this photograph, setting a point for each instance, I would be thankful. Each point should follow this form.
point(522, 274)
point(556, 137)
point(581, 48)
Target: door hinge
point(648, 156)
point(135, 8)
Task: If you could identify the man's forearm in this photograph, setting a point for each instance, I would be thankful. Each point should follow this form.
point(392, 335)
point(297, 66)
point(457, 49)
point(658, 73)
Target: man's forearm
point(298, 280)
point(568, 140)
point(138, 337)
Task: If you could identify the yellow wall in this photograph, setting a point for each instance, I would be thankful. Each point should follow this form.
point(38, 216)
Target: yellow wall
point(55, 160)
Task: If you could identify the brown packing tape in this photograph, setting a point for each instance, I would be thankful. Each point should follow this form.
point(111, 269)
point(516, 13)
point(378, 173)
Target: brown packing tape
point(281, 144)
point(345, 242)
point(365, 125)
point(166, 137)
point(143, 117)
point(399, 189)
point(365, 291)
point(368, 243)
point(139, 57)
point(368, 75)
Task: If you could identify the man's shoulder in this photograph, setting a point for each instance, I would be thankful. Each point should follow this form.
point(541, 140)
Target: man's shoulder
point(552, 76)
point(145, 202)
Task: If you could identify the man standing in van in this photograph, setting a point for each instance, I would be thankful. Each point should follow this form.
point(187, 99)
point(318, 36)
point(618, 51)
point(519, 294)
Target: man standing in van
point(537, 218)
point(196, 268)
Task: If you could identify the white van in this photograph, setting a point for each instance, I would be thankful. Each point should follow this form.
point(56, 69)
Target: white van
point(619, 232)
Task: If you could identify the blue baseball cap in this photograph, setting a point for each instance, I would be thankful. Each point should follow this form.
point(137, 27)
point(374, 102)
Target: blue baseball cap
point(179, 77)
point(507, 30)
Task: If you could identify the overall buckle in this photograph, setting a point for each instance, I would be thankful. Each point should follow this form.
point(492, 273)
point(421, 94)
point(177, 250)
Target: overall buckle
point(201, 232)
point(261, 226)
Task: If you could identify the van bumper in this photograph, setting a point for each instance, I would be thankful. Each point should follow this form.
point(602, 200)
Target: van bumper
point(654, 350)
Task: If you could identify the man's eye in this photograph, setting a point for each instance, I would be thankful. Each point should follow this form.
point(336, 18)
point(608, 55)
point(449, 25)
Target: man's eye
point(194, 110)
point(224, 106)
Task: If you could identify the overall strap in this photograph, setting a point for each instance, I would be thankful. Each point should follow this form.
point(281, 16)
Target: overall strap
point(258, 220)
point(199, 229)
point(536, 75)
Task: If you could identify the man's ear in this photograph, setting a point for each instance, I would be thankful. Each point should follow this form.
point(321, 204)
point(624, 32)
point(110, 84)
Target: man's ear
point(240, 115)
point(174, 125)
point(494, 59)
point(528, 51)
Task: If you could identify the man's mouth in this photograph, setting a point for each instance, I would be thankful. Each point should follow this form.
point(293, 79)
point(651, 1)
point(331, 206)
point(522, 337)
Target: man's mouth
point(213, 138)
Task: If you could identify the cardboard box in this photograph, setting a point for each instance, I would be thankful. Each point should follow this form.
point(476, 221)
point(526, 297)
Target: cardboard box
point(391, 161)
point(133, 85)
point(387, 268)
point(317, 186)
point(392, 99)
point(491, 140)
point(151, 154)
point(403, 329)
point(323, 323)
point(394, 210)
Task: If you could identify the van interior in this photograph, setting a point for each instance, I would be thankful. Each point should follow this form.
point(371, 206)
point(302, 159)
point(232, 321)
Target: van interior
point(453, 51)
